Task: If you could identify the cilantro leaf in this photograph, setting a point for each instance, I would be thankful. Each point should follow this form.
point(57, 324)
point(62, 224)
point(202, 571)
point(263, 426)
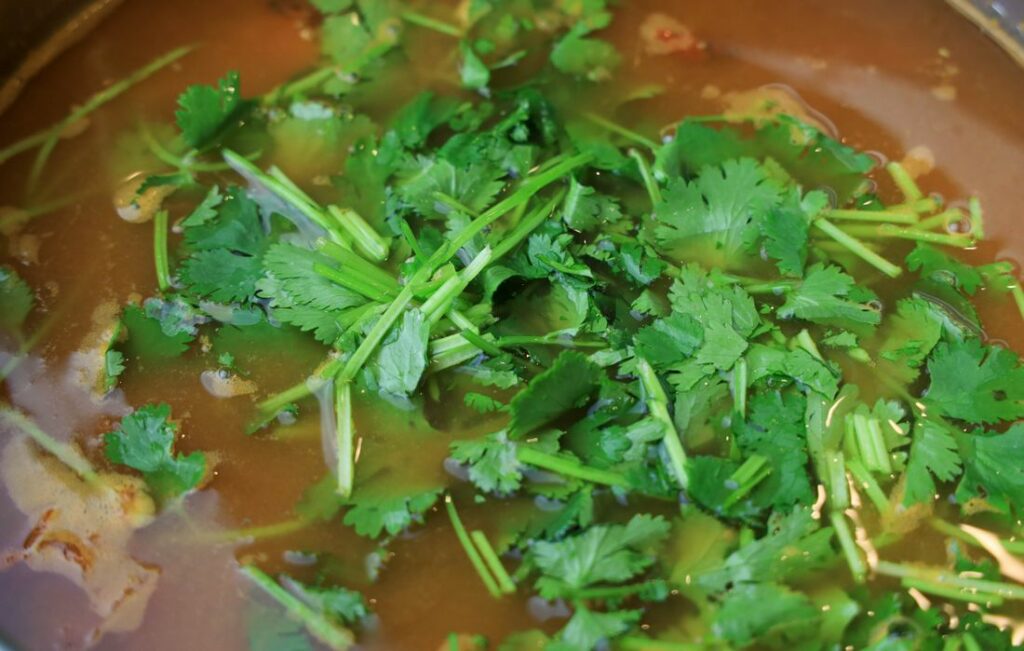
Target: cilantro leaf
point(225, 261)
point(570, 381)
point(932, 262)
point(670, 340)
point(148, 339)
point(337, 603)
point(586, 629)
point(992, 468)
point(601, 554)
point(584, 208)
point(715, 219)
point(206, 210)
point(145, 441)
point(933, 452)
point(204, 111)
point(770, 614)
point(797, 364)
point(402, 356)
point(493, 466)
point(975, 383)
point(371, 515)
point(16, 300)
point(910, 335)
point(301, 296)
point(473, 71)
point(811, 157)
point(829, 296)
point(794, 546)
point(776, 430)
point(586, 57)
point(785, 230)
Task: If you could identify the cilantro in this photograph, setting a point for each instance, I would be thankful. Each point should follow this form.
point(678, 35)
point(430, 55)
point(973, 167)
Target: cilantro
point(492, 461)
point(829, 296)
point(402, 356)
point(975, 383)
point(933, 453)
point(770, 614)
point(797, 364)
point(481, 403)
point(302, 297)
point(16, 300)
point(567, 385)
point(601, 554)
point(204, 111)
point(715, 218)
point(578, 54)
point(785, 230)
point(910, 335)
point(372, 515)
point(776, 430)
point(991, 468)
point(337, 603)
point(585, 208)
point(206, 210)
point(670, 340)
point(225, 253)
point(145, 441)
point(148, 340)
point(474, 72)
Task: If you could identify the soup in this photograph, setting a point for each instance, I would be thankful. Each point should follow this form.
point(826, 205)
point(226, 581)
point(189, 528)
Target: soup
point(427, 326)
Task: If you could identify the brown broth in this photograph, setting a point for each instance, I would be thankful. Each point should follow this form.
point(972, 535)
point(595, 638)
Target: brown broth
point(870, 67)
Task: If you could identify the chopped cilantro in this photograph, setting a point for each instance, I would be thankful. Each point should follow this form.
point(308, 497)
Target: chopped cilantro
point(145, 441)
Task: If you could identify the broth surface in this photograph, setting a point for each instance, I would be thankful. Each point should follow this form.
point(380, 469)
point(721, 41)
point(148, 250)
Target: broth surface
point(889, 76)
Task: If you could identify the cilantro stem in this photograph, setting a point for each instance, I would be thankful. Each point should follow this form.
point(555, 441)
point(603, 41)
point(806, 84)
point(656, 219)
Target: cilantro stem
point(163, 267)
point(439, 302)
point(356, 282)
point(629, 134)
point(64, 452)
point(657, 405)
point(530, 187)
point(261, 532)
point(881, 216)
point(858, 248)
point(1012, 546)
point(849, 547)
point(637, 643)
point(650, 183)
point(1018, 297)
point(365, 238)
point(959, 594)
point(47, 139)
point(921, 206)
point(976, 218)
point(345, 433)
point(889, 231)
point(450, 351)
point(410, 238)
point(377, 333)
point(483, 344)
point(455, 204)
point(869, 485)
point(471, 551)
point(523, 229)
point(301, 390)
point(349, 259)
point(427, 22)
point(940, 576)
point(806, 342)
point(740, 383)
point(331, 634)
point(835, 480)
point(903, 180)
point(547, 340)
point(287, 191)
point(943, 219)
point(505, 582)
point(569, 468)
point(865, 434)
point(753, 471)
